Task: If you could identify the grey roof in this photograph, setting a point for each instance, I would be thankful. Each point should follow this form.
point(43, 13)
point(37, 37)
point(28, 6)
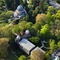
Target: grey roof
point(26, 45)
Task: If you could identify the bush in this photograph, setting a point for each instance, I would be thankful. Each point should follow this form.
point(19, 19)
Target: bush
point(22, 57)
point(8, 14)
point(33, 31)
point(34, 39)
point(37, 26)
point(1, 11)
point(22, 25)
point(29, 25)
point(16, 29)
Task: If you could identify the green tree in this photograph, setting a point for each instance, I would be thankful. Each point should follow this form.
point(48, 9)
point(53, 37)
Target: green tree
point(22, 57)
point(57, 16)
point(45, 32)
point(8, 14)
point(22, 25)
point(29, 25)
point(16, 29)
point(49, 18)
point(58, 44)
point(12, 4)
point(51, 9)
point(53, 46)
point(37, 26)
point(3, 47)
point(47, 55)
point(45, 6)
point(34, 40)
point(33, 31)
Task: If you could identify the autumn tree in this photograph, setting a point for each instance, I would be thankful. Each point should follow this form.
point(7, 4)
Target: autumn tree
point(37, 55)
point(41, 18)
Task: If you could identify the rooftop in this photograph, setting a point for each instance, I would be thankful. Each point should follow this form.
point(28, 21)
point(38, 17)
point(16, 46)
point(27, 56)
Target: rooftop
point(55, 55)
point(37, 48)
point(26, 44)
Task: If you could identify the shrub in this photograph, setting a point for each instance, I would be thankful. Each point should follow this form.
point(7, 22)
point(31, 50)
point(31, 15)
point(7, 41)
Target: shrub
point(8, 14)
point(22, 57)
point(34, 39)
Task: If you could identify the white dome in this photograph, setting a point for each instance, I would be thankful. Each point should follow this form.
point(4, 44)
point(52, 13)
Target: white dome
point(27, 32)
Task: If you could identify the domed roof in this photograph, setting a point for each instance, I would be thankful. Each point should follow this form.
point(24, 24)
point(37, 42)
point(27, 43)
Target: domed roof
point(20, 8)
point(27, 32)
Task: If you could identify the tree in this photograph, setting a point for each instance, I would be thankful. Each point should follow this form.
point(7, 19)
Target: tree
point(58, 44)
point(34, 40)
point(33, 31)
point(22, 57)
point(37, 55)
point(53, 45)
point(49, 18)
point(37, 25)
point(22, 25)
point(51, 9)
point(47, 55)
point(12, 4)
point(41, 18)
point(29, 25)
point(57, 16)
point(16, 29)
point(45, 32)
point(3, 47)
point(8, 14)
point(45, 6)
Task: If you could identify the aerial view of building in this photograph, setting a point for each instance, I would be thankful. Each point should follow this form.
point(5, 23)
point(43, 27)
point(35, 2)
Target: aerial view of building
point(56, 55)
point(29, 29)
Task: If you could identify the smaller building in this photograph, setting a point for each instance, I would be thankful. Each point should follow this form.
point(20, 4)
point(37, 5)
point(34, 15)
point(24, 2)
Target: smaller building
point(56, 55)
point(37, 54)
point(20, 12)
point(26, 46)
point(54, 4)
point(37, 48)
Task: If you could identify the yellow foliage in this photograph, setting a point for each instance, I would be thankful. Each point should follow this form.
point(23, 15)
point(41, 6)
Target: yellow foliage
point(37, 55)
point(41, 18)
